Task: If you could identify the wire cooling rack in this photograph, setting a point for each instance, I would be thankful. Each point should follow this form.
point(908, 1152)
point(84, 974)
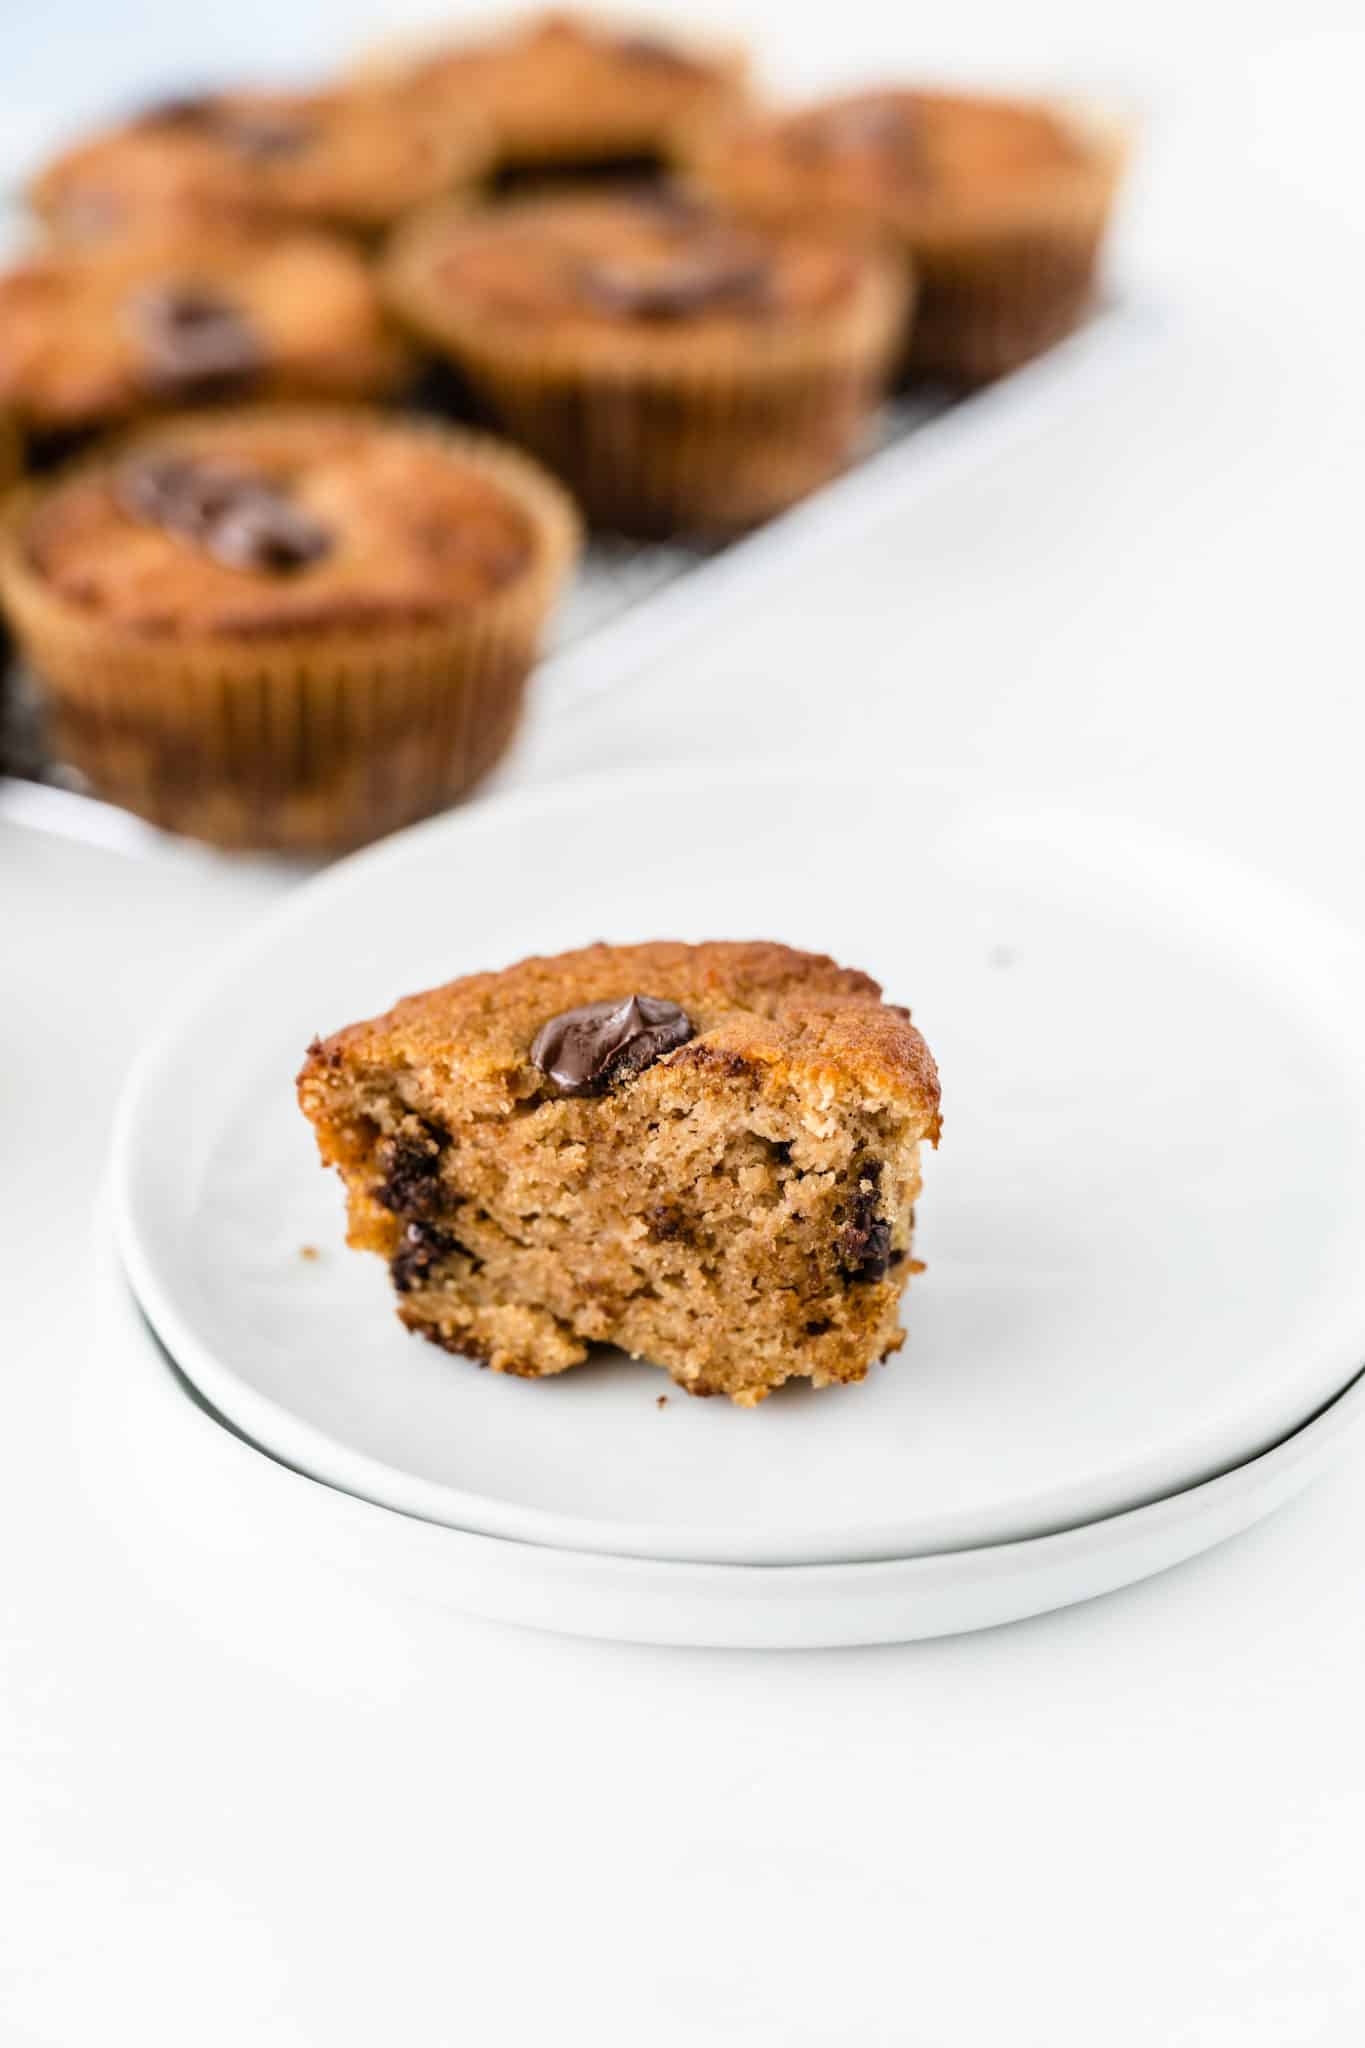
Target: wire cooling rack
point(632, 602)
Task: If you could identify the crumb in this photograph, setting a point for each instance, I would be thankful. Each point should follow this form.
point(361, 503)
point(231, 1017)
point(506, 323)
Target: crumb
point(309, 1252)
point(662, 1401)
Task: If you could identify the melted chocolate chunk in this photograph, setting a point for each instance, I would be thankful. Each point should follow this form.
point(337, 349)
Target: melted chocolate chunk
point(710, 275)
point(261, 136)
point(588, 1050)
point(422, 1246)
point(652, 53)
point(411, 1167)
point(195, 341)
point(179, 110)
point(266, 137)
point(864, 1243)
point(243, 521)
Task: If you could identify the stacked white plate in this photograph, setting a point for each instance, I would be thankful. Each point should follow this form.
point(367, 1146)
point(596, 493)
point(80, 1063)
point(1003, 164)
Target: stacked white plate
point(1144, 1308)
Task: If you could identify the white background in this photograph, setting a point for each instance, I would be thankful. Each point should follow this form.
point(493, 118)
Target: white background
point(237, 1811)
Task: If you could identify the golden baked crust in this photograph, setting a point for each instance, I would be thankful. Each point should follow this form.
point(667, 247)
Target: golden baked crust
point(79, 326)
point(573, 276)
point(350, 159)
point(563, 88)
point(419, 531)
point(924, 164)
point(737, 1209)
point(793, 1015)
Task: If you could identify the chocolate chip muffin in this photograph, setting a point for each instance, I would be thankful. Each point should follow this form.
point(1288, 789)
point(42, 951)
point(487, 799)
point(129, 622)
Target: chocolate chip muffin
point(681, 370)
point(572, 93)
point(999, 205)
point(91, 337)
point(708, 1155)
point(350, 160)
point(285, 628)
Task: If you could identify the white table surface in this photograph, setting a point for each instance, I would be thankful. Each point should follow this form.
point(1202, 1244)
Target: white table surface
point(280, 1813)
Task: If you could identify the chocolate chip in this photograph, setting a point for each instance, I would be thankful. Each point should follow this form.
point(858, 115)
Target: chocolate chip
point(411, 1166)
point(243, 521)
point(420, 1248)
point(266, 137)
point(179, 110)
point(864, 1243)
point(590, 1049)
point(652, 53)
point(262, 530)
point(195, 341)
point(261, 136)
point(707, 276)
point(667, 1223)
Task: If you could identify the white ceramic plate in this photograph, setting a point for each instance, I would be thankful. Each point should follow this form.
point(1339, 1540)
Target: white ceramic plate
point(182, 1490)
point(1142, 1231)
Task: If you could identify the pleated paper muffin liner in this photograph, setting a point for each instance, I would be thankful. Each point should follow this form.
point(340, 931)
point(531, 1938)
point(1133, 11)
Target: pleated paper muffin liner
point(306, 742)
point(667, 431)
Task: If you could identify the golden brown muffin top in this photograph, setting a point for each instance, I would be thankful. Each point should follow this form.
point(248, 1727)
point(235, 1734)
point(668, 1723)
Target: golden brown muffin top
point(648, 274)
point(785, 1016)
point(350, 159)
point(901, 157)
point(89, 335)
point(253, 525)
point(575, 85)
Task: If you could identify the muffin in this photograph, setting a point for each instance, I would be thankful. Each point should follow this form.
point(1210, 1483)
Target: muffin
point(680, 370)
point(352, 160)
point(572, 93)
point(90, 337)
point(285, 628)
point(708, 1155)
point(1000, 205)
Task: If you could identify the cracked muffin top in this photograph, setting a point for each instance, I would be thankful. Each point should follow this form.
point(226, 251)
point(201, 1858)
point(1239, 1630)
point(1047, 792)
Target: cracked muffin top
point(907, 158)
point(94, 335)
point(650, 271)
point(284, 521)
point(350, 159)
point(788, 1018)
point(570, 86)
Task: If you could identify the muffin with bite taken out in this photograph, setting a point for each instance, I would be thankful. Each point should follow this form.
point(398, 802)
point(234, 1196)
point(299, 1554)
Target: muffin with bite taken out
point(706, 1154)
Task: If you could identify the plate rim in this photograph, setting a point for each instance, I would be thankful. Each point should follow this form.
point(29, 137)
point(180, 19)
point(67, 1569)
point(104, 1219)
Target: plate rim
point(307, 1446)
point(674, 1603)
